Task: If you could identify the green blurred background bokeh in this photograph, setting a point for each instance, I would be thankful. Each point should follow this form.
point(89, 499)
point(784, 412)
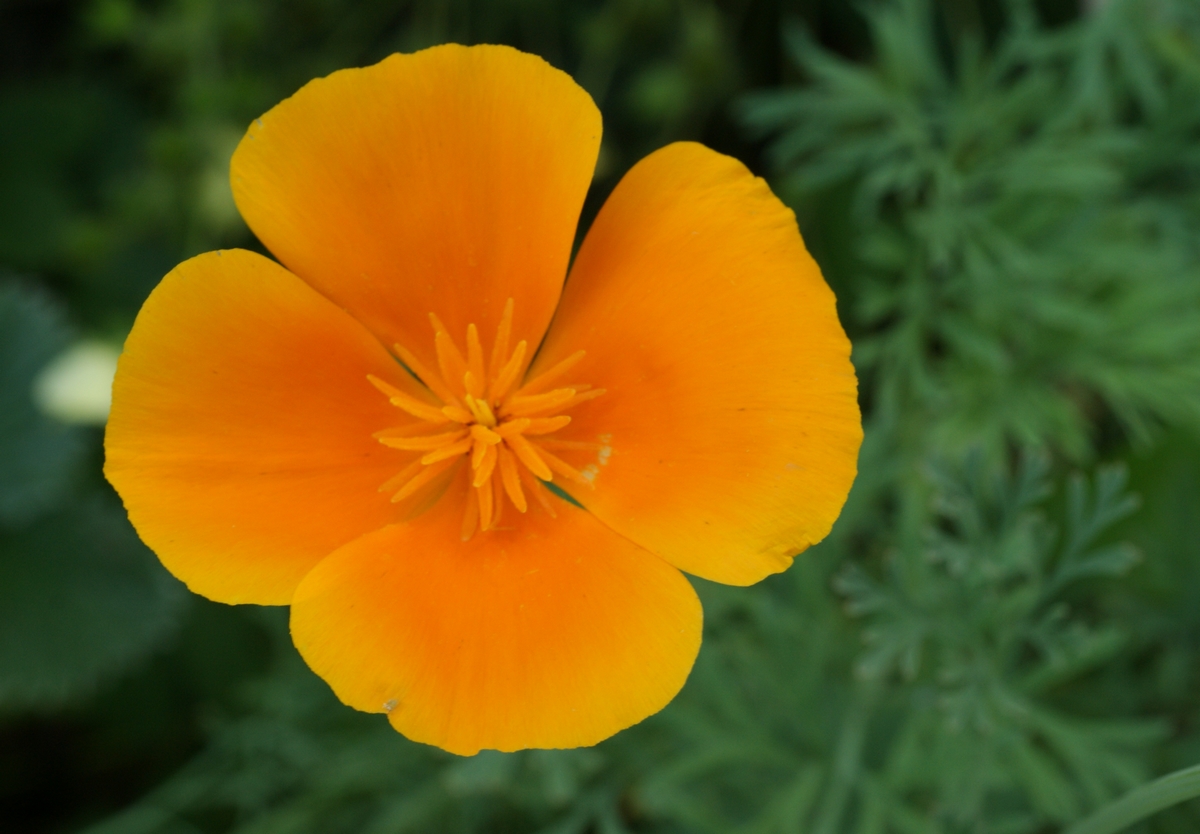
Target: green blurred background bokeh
point(1003, 631)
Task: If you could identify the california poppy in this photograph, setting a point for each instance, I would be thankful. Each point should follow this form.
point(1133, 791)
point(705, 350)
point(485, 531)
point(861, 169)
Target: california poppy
point(384, 431)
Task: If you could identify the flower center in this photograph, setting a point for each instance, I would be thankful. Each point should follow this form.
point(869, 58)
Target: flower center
point(483, 416)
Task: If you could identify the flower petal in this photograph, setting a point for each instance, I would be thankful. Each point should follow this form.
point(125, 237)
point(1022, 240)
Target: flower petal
point(554, 633)
point(240, 434)
point(444, 181)
point(730, 427)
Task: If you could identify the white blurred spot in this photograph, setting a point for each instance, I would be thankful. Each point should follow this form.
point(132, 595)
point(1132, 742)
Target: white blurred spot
point(76, 387)
point(214, 195)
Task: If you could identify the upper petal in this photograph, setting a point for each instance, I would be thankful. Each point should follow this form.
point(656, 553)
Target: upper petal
point(240, 432)
point(444, 181)
point(730, 425)
point(555, 632)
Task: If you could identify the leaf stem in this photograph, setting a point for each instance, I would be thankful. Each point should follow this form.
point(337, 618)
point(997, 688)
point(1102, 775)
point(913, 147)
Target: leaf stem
point(1141, 802)
point(847, 759)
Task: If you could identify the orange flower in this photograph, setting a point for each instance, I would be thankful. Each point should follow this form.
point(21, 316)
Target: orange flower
point(366, 433)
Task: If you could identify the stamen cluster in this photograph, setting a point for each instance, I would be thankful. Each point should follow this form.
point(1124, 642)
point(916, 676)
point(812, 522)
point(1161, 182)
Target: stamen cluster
point(484, 417)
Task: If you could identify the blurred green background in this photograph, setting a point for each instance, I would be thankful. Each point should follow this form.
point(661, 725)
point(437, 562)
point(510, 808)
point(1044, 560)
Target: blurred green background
point(1003, 631)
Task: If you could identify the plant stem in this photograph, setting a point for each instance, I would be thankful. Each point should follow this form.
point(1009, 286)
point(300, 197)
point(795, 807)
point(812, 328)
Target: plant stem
point(847, 759)
point(1141, 802)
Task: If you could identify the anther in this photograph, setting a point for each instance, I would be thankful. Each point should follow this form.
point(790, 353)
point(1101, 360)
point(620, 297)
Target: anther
point(547, 376)
point(481, 411)
point(525, 406)
point(500, 346)
point(504, 380)
point(485, 435)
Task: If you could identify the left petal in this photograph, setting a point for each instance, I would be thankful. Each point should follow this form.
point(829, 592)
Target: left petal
point(240, 437)
point(445, 181)
point(554, 633)
point(730, 426)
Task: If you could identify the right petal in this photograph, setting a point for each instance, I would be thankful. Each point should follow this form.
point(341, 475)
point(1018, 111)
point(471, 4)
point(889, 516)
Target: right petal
point(240, 436)
point(730, 426)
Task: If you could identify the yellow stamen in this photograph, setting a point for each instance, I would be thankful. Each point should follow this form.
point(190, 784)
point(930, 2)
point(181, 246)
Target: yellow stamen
point(491, 419)
point(539, 492)
point(384, 388)
point(583, 396)
point(543, 380)
point(481, 411)
point(423, 443)
point(500, 346)
point(433, 382)
point(497, 505)
point(458, 414)
point(405, 475)
point(513, 427)
point(487, 465)
point(438, 327)
point(422, 478)
point(418, 409)
point(512, 480)
point(452, 451)
point(471, 516)
point(546, 425)
point(450, 361)
point(562, 468)
point(478, 448)
point(525, 453)
point(503, 382)
point(483, 433)
point(519, 406)
point(484, 491)
point(411, 430)
point(475, 360)
point(473, 385)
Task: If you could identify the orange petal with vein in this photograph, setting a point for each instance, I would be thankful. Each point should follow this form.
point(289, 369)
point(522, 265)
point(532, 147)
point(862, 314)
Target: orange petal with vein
point(240, 437)
point(447, 180)
point(557, 634)
point(731, 426)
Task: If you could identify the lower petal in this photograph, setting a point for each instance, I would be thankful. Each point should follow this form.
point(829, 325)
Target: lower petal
point(240, 433)
point(727, 439)
point(554, 633)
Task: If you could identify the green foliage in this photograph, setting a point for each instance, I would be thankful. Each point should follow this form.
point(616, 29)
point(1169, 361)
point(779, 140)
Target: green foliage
point(1019, 266)
point(947, 722)
point(1007, 208)
point(297, 761)
point(82, 598)
point(974, 622)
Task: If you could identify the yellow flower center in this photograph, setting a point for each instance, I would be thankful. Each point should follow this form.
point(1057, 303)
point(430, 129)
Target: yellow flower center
point(481, 415)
